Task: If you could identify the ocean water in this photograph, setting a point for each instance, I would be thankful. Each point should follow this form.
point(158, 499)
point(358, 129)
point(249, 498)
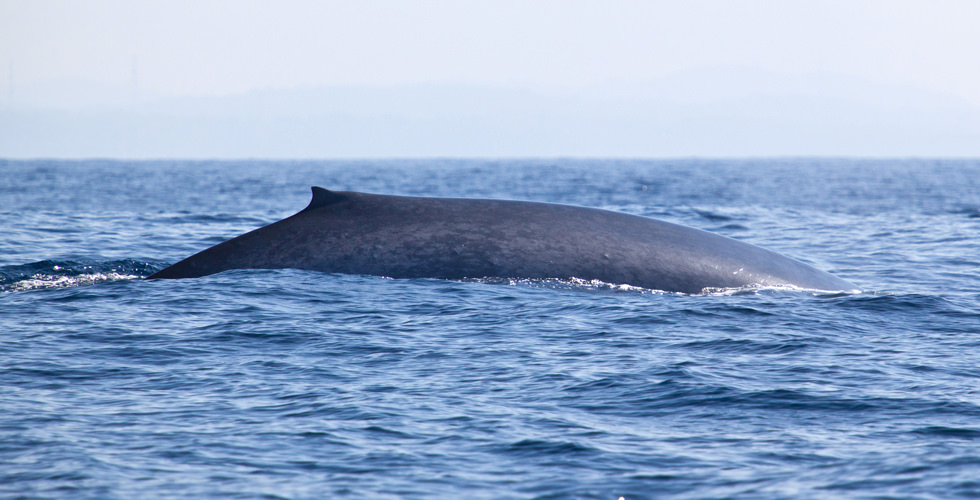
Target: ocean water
point(295, 384)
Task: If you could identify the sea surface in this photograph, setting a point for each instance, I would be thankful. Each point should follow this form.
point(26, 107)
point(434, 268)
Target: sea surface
point(303, 385)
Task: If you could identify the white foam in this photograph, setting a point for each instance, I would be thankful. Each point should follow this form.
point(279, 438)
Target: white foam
point(42, 281)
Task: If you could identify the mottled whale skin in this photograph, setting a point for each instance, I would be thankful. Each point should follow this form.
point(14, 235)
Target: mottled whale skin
point(413, 237)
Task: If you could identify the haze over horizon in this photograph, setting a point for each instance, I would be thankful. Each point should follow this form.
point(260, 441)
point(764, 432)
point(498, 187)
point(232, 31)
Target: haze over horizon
point(306, 79)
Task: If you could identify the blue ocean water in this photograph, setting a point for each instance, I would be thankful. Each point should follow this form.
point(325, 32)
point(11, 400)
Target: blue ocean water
point(295, 384)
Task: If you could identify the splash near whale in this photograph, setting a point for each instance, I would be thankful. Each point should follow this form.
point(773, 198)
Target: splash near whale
point(447, 238)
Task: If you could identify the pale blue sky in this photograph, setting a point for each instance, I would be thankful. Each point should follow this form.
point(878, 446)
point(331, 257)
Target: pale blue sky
point(370, 78)
point(180, 47)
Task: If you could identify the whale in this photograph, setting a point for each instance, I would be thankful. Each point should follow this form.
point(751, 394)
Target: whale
point(458, 239)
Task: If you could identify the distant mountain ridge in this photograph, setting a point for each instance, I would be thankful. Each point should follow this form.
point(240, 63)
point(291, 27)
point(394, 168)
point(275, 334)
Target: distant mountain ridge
point(718, 112)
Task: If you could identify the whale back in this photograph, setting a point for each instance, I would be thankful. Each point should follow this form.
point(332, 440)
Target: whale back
point(415, 237)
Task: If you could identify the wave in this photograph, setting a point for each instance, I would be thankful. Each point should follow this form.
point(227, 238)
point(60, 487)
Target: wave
point(67, 273)
point(63, 274)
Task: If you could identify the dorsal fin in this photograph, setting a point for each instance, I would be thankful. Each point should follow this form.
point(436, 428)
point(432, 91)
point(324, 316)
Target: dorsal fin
point(323, 197)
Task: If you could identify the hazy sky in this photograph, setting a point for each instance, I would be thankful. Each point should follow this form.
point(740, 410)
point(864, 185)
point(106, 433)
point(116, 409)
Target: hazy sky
point(177, 47)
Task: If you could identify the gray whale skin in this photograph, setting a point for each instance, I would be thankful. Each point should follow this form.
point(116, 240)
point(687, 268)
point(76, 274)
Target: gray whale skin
point(412, 237)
